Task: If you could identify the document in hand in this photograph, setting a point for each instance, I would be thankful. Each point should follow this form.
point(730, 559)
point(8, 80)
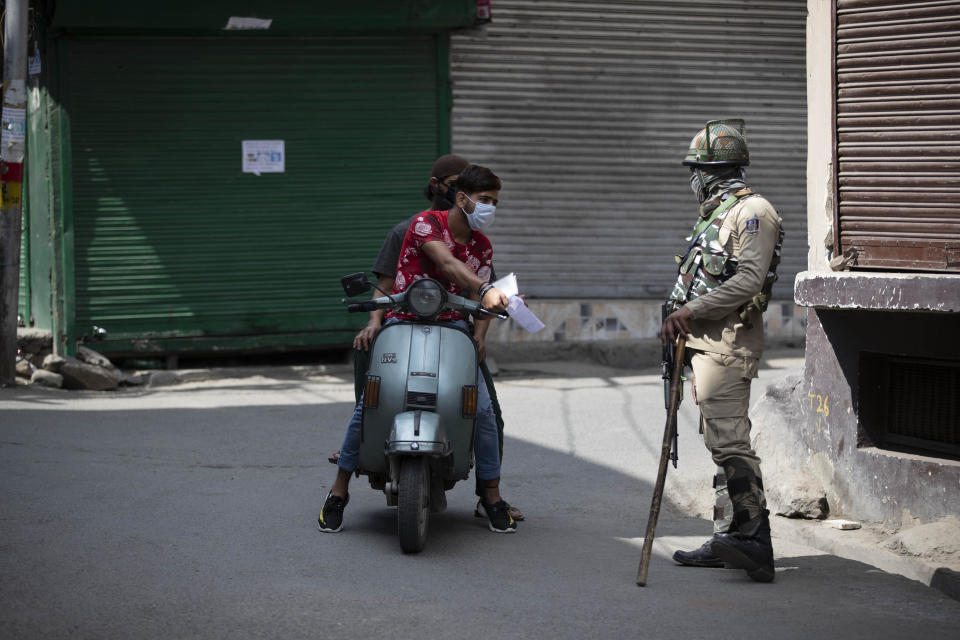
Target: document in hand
point(518, 311)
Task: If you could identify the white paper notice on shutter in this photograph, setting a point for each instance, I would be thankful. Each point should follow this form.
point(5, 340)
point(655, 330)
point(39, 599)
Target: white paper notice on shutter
point(263, 156)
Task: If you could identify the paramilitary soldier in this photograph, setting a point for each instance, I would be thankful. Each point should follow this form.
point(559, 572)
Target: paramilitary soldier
point(724, 284)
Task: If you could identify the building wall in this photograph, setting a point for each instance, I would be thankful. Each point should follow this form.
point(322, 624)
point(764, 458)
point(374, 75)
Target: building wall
point(852, 313)
point(819, 140)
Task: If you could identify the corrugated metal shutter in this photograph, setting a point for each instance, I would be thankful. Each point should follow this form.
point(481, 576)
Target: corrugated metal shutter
point(898, 133)
point(585, 110)
point(172, 239)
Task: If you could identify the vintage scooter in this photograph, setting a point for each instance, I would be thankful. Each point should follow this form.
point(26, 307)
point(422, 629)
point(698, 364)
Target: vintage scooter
point(419, 403)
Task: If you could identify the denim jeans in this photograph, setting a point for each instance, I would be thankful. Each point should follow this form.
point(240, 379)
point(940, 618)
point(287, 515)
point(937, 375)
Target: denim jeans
point(486, 447)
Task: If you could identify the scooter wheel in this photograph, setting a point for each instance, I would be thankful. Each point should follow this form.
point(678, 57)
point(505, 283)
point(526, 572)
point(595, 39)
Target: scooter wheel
point(413, 504)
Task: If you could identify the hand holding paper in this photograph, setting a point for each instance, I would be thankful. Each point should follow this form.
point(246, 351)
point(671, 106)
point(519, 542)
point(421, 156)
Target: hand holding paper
point(518, 311)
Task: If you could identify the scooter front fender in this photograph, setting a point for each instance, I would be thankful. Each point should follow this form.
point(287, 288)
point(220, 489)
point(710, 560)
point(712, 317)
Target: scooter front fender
point(417, 432)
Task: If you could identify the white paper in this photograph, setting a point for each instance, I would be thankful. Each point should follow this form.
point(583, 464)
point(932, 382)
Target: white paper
point(263, 156)
point(33, 62)
point(507, 284)
point(521, 314)
point(14, 133)
point(517, 309)
point(236, 23)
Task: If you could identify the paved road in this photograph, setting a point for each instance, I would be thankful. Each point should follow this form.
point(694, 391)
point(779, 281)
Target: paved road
point(189, 512)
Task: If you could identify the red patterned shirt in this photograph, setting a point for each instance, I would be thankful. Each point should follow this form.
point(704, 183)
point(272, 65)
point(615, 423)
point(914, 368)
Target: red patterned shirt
point(433, 226)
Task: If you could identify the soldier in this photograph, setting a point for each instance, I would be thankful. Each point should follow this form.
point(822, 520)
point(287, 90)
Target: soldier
point(724, 283)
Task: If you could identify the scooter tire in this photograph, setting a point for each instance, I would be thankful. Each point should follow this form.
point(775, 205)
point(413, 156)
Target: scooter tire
point(413, 504)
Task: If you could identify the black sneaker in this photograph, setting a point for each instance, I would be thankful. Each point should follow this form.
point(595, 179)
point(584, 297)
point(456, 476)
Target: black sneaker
point(478, 512)
point(499, 518)
point(331, 515)
point(702, 557)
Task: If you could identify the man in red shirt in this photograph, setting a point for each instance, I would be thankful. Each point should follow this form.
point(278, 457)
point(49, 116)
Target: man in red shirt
point(449, 247)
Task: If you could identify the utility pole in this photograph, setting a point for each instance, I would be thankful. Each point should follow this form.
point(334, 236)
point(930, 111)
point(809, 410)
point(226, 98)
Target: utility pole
point(12, 146)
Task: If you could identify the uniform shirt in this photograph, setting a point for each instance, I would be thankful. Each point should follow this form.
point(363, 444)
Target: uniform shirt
point(386, 262)
point(749, 233)
point(433, 226)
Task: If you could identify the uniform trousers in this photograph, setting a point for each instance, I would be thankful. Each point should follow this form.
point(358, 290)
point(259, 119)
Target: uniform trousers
point(722, 388)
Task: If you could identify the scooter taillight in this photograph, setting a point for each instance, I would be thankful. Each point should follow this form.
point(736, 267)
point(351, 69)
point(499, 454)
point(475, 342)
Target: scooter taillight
point(371, 393)
point(470, 401)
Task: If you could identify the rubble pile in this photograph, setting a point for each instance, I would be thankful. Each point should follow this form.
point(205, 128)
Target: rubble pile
point(38, 365)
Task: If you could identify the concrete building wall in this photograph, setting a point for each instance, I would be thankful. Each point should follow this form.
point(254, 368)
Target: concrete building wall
point(819, 139)
point(852, 315)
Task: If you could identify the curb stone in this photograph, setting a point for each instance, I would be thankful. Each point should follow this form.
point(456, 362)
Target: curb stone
point(865, 545)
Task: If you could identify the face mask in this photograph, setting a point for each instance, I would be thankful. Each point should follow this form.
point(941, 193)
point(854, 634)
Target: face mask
point(696, 184)
point(482, 215)
point(445, 197)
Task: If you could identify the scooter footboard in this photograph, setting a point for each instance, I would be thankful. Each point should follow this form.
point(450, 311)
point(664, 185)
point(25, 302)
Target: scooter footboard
point(418, 432)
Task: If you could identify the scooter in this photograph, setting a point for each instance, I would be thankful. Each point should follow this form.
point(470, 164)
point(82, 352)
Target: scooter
point(419, 403)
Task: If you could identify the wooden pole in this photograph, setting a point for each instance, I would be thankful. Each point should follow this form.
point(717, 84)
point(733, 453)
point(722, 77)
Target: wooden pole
point(676, 384)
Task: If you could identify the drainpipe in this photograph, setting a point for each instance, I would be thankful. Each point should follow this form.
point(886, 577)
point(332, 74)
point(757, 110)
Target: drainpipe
point(12, 145)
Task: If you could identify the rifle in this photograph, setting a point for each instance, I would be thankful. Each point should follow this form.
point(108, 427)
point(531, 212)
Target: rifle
point(673, 388)
point(667, 359)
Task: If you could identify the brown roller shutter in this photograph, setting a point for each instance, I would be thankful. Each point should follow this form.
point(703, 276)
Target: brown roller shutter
point(898, 133)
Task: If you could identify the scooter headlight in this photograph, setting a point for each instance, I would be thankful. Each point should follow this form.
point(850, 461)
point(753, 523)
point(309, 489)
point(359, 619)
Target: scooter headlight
point(426, 297)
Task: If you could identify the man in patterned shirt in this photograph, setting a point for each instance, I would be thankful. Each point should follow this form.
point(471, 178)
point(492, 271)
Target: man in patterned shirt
point(449, 247)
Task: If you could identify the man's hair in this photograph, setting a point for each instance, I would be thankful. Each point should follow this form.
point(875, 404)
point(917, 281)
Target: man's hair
point(476, 178)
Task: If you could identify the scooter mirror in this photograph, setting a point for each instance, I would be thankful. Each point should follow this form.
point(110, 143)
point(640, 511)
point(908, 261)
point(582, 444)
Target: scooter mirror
point(355, 284)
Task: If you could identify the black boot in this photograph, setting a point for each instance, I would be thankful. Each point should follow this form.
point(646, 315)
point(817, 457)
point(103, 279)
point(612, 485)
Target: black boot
point(702, 557)
point(752, 553)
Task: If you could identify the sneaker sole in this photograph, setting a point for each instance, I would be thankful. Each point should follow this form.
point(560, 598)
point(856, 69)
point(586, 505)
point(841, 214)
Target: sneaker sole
point(337, 530)
point(739, 560)
point(490, 524)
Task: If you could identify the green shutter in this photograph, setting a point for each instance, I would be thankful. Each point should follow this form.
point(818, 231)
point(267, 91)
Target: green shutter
point(172, 240)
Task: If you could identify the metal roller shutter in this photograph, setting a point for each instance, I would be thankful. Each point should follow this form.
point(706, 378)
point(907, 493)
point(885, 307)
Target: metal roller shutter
point(898, 133)
point(174, 240)
point(585, 110)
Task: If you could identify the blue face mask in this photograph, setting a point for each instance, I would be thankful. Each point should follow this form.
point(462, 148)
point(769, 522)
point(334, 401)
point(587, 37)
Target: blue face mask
point(482, 215)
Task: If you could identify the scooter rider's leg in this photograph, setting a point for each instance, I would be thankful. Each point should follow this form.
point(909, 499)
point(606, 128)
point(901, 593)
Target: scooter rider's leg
point(330, 519)
point(341, 485)
point(515, 513)
point(487, 455)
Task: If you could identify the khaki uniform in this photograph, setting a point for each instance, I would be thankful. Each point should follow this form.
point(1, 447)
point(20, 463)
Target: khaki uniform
point(725, 352)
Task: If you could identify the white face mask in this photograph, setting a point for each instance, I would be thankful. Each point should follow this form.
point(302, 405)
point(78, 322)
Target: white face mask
point(482, 215)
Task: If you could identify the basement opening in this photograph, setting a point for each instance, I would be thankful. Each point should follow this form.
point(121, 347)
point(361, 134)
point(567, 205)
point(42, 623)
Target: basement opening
point(910, 404)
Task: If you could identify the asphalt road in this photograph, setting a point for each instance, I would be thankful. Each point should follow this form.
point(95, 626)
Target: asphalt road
point(190, 512)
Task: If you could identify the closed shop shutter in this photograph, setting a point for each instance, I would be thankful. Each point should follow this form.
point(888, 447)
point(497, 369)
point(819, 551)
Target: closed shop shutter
point(172, 239)
point(585, 110)
point(898, 133)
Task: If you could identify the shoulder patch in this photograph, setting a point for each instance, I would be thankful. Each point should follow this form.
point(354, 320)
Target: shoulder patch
point(753, 224)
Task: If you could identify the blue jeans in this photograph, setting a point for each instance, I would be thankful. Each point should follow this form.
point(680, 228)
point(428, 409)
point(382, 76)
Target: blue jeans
point(486, 444)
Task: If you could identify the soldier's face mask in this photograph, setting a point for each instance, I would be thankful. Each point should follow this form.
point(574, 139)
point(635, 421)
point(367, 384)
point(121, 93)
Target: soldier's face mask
point(697, 184)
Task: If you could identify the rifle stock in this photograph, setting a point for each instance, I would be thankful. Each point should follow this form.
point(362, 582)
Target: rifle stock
point(669, 433)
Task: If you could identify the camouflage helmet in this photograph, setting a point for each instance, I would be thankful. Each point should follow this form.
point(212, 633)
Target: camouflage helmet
point(720, 143)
